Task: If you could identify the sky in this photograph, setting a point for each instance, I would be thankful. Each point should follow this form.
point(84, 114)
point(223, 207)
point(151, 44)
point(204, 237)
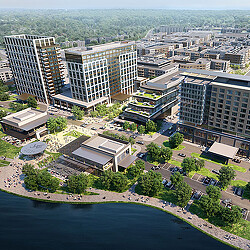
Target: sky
point(128, 4)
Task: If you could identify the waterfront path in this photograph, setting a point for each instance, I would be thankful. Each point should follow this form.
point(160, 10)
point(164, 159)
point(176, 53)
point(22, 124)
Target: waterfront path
point(11, 180)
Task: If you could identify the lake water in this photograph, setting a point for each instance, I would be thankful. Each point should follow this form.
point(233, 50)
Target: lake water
point(26, 224)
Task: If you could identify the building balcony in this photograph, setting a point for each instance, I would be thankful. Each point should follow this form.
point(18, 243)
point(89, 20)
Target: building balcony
point(148, 95)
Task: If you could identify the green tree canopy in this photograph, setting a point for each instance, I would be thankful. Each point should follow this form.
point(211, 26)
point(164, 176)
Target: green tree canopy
point(176, 179)
point(141, 129)
point(136, 169)
point(77, 112)
point(151, 126)
point(176, 140)
point(31, 101)
point(150, 183)
point(213, 192)
point(188, 164)
point(209, 206)
point(126, 125)
point(231, 216)
point(227, 174)
point(77, 184)
point(183, 194)
point(119, 182)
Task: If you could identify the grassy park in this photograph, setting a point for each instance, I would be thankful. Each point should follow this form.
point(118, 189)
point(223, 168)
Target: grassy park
point(166, 144)
point(74, 133)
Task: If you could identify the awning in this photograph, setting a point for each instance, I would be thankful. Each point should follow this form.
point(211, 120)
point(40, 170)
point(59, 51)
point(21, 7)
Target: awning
point(223, 150)
point(127, 161)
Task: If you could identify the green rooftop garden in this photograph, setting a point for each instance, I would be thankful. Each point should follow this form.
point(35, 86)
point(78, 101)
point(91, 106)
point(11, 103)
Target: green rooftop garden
point(148, 95)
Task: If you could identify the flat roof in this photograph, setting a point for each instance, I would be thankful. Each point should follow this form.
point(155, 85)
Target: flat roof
point(120, 97)
point(92, 155)
point(104, 144)
point(127, 161)
point(26, 119)
point(34, 148)
point(223, 150)
point(99, 48)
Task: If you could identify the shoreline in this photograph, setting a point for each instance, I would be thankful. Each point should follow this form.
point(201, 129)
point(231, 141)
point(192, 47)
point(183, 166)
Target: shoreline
point(133, 203)
point(129, 196)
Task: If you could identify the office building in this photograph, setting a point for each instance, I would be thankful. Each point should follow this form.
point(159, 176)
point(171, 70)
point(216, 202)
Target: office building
point(156, 99)
point(36, 65)
point(214, 106)
point(102, 71)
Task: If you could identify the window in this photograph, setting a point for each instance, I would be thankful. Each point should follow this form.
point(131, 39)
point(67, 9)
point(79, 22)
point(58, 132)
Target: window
point(228, 102)
point(214, 89)
point(244, 105)
point(229, 97)
point(230, 92)
point(222, 90)
point(236, 104)
point(237, 93)
point(246, 94)
point(236, 98)
point(221, 95)
point(234, 114)
point(245, 100)
point(236, 109)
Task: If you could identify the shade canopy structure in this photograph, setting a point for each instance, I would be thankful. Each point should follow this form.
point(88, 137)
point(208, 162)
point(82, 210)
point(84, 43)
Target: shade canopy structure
point(223, 150)
point(127, 161)
point(34, 148)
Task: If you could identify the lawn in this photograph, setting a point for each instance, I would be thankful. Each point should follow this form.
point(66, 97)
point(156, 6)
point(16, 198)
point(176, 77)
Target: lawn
point(235, 167)
point(133, 150)
point(205, 172)
point(8, 150)
point(4, 163)
point(241, 228)
point(174, 162)
point(74, 133)
point(238, 183)
point(166, 144)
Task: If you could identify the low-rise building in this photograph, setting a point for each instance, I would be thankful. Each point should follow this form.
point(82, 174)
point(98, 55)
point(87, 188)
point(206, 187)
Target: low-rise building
point(104, 153)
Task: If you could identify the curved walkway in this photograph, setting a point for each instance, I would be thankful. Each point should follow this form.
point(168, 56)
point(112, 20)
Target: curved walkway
point(11, 180)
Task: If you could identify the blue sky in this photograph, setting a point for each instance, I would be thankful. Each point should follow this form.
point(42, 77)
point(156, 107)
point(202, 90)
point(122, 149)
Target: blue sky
point(109, 4)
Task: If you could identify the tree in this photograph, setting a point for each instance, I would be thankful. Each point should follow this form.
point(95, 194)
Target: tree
point(17, 106)
point(176, 140)
point(231, 216)
point(154, 151)
point(199, 163)
point(3, 113)
point(247, 191)
point(77, 112)
point(4, 96)
point(176, 179)
point(45, 180)
point(213, 192)
point(141, 129)
point(105, 179)
point(183, 194)
point(94, 113)
point(56, 124)
point(209, 206)
point(31, 101)
point(226, 175)
point(119, 182)
point(136, 169)
point(151, 126)
point(188, 164)
point(133, 127)
point(126, 125)
point(150, 183)
point(77, 184)
point(165, 154)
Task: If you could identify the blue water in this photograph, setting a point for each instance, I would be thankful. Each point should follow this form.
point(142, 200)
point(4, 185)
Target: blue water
point(26, 224)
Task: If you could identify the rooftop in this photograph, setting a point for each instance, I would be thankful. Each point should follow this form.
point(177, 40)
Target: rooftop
point(99, 48)
point(223, 150)
point(26, 119)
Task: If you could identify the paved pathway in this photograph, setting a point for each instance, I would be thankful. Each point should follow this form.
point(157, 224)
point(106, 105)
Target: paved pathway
point(15, 177)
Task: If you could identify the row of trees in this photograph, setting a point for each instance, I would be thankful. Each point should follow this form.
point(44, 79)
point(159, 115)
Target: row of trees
point(150, 127)
point(4, 96)
point(210, 205)
point(77, 112)
point(39, 179)
point(176, 140)
point(192, 164)
point(56, 124)
point(120, 137)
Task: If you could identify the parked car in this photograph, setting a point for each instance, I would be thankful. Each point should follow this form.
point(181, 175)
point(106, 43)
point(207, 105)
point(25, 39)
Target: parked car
point(215, 171)
point(133, 136)
point(227, 201)
point(83, 125)
point(169, 184)
point(212, 182)
point(244, 211)
point(140, 155)
point(140, 142)
point(236, 160)
point(182, 155)
point(93, 128)
point(207, 180)
point(153, 168)
point(238, 191)
point(164, 181)
point(170, 127)
point(102, 127)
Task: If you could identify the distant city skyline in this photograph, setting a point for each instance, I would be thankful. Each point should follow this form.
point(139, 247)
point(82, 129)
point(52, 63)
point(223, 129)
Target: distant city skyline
point(128, 4)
